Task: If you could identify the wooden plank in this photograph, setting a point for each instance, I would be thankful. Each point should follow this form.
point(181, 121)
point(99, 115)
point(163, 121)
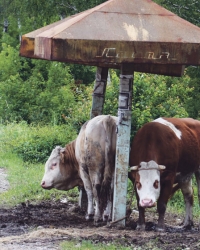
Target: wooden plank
point(98, 96)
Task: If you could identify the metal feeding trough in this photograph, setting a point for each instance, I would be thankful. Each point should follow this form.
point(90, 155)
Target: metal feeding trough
point(132, 35)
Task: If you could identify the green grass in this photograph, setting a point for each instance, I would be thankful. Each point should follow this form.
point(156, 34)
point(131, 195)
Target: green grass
point(88, 245)
point(34, 143)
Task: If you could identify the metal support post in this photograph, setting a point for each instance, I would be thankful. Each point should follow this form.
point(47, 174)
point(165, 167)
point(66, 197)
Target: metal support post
point(123, 146)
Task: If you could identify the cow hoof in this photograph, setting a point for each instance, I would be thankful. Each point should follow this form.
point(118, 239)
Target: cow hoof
point(89, 217)
point(98, 222)
point(106, 218)
point(140, 227)
point(187, 227)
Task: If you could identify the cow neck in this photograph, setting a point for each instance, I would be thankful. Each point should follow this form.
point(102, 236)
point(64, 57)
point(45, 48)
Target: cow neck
point(70, 158)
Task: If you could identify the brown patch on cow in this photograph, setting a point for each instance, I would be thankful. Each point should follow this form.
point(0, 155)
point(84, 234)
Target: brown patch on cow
point(68, 158)
point(138, 185)
point(69, 165)
point(137, 180)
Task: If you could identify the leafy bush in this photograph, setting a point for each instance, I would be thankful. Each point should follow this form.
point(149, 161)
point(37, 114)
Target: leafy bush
point(35, 143)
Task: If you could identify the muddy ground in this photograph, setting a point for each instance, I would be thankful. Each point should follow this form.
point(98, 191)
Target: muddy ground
point(44, 226)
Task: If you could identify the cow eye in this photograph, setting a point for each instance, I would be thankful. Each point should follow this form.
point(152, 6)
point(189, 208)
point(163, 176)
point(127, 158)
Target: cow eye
point(156, 184)
point(53, 165)
point(138, 185)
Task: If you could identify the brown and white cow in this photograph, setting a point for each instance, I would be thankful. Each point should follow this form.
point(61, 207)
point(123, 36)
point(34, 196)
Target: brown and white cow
point(163, 153)
point(88, 161)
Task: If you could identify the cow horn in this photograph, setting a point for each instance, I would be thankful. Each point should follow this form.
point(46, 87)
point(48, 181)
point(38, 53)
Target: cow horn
point(161, 167)
point(134, 168)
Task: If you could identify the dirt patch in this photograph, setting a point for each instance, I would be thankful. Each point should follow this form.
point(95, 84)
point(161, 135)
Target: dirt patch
point(43, 226)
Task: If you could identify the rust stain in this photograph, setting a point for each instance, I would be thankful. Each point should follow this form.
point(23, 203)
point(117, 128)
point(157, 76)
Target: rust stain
point(27, 47)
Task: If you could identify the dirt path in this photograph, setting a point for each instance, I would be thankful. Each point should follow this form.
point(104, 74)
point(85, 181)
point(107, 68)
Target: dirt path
point(44, 226)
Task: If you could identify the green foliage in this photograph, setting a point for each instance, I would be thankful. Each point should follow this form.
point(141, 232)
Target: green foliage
point(56, 96)
point(34, 143)
point(188, 10)
point(158, 96)
point(33, 14)
point(34, 90)
point(83, 74)
point(192, 103)
point(111, 96)
point(85, 245)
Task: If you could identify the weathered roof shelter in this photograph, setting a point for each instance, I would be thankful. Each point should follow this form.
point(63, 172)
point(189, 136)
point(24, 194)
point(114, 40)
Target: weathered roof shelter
point(133, 35)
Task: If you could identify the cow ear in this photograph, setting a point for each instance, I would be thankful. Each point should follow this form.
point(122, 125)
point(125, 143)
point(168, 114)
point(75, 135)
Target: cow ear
point(134, 168)
point(62, 153)
point(161, 167)
point(131, 176)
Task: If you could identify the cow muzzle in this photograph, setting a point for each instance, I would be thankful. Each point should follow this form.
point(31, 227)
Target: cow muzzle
point(43, 185)
point(147, 203)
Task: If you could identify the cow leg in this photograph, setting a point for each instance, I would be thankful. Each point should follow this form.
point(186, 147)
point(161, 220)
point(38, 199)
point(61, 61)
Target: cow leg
point(197, 175)
point(88, 188)
point(161, 207)
point(141, 220)
point(97, 215)
point(107, 215)
point(166, 189)
point(187, 190)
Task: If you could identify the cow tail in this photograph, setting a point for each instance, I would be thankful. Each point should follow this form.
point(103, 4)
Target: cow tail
point(106, 189)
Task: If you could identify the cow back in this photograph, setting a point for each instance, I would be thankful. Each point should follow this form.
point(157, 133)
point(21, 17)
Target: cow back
point(155, 141)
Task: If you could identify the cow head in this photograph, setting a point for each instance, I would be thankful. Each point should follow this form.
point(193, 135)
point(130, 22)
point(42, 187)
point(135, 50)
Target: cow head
point(58, 172)
point(147, 181)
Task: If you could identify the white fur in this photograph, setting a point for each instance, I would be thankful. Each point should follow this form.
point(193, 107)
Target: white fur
point(149, 173)
point(171, 126)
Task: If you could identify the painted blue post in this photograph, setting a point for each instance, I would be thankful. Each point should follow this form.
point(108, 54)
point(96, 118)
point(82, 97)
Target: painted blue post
point(123, 146)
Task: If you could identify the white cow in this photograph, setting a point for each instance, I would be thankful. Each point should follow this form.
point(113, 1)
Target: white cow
point(89, 161)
